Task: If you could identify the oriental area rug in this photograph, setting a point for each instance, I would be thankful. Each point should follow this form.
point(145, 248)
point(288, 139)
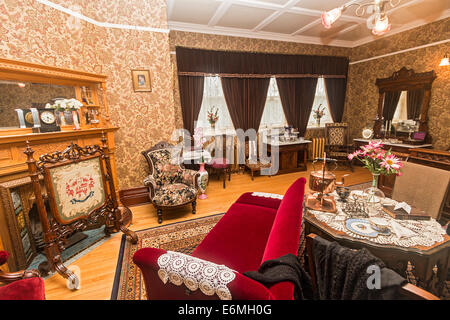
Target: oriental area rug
point(182, 237)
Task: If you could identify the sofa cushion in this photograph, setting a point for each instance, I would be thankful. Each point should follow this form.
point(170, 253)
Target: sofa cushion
point(238, 240)
point(174, 194)
point(26, 289)
point(259, 200)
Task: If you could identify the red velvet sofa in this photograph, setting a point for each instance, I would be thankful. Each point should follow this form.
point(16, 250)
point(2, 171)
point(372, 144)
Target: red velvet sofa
point(22, 285)
point(253, 230)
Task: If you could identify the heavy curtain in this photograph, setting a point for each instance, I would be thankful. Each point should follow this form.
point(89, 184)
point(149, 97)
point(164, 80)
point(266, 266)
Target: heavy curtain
point(191, 95)
point(390, 104)
point(414, 101)
point(297, 97)
point(229, 63)
point(245, 99)
point(335, 89)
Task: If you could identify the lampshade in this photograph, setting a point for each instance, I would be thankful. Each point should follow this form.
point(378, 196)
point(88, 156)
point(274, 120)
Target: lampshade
point(382, 26)
point(331, 16)
point(444, 61)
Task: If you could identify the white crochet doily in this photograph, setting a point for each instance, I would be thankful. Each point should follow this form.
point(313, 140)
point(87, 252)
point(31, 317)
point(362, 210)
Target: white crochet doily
point(267, 195)
point(210, 278)
point(427, 232)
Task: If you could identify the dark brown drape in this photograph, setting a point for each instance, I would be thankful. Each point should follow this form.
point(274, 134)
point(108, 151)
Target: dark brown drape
point(297, 97)
point(390, 104)
point(249, 63)
point(246, 98)
point(191, 96)
point(335, 89)
point(414, 101)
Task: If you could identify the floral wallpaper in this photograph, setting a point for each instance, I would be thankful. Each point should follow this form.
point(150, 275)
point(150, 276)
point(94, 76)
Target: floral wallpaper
point(33, 32)
point(362, 93)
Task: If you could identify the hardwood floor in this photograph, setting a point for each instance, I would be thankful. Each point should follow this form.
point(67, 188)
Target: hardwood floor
point(98, 266)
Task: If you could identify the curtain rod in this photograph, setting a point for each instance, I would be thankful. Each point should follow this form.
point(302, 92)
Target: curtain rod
point(240, 75)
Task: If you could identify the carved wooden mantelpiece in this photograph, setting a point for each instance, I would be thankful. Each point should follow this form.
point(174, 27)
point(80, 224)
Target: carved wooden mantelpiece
point(13, 140)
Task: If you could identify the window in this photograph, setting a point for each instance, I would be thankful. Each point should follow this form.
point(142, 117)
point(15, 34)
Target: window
point(213, 97)
point(273, 114)
point(401, 111)
point(320, 99)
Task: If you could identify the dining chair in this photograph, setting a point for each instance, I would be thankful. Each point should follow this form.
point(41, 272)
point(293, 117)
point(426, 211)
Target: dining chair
point(423, 187)
point(222, 156)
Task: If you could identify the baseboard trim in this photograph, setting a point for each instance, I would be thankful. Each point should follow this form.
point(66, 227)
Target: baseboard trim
point(134, 196)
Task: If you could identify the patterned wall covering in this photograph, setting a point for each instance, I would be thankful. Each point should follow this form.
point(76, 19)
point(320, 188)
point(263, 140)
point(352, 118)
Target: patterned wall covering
point(30, 31)
point(362, 93)
point(33, 32)
point(228, 43)
point(13, 97)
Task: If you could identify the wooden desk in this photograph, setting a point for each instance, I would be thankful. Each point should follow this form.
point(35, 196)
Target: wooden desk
point(422, 258)
point(292, 155)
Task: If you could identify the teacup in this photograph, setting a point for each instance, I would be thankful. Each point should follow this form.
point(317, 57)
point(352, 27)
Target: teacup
point(380, 224)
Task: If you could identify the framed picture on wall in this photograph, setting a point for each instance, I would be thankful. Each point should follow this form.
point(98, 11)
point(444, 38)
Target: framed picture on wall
point(141, 80)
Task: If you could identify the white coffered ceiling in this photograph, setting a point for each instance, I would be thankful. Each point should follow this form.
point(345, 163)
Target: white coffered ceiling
point(296, 20)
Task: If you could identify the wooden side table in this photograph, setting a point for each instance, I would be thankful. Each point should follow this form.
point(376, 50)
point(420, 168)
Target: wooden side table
point(423, 259)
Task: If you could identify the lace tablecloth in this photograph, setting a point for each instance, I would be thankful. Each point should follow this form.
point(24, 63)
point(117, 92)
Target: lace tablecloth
point(427, 232)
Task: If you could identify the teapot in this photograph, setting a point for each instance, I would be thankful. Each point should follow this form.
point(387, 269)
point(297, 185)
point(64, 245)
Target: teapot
point(323, 181)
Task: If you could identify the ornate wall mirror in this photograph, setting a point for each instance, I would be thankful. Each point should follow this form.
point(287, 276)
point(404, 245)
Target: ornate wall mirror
point(403, 105)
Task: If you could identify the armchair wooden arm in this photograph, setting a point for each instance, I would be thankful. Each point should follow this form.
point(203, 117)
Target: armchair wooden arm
point(150, 182)
point(8, 277)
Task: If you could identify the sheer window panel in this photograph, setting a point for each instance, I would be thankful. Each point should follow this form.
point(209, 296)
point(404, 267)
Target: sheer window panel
point(320, 98)
point(213, 97)
point(273, 114)
point(401, 112)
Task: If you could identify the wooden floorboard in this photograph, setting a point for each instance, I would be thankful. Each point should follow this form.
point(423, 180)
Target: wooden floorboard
point(98, 266)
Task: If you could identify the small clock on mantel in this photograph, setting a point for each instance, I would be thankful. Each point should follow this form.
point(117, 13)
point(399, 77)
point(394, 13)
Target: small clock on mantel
point(47, 118)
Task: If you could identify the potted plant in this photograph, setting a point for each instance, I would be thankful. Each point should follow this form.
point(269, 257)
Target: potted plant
point(318, 114)
point(377, 161)
point(213, 116)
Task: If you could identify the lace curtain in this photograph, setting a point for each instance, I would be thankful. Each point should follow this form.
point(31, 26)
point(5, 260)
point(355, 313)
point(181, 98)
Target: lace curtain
point(321, 98)
point(273, 115)
point(213, 97)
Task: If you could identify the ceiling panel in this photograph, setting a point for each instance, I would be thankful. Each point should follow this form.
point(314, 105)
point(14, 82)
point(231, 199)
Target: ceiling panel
point(288, 23)
point(319, 30)
point(281, 21)
point(281, 2)
point(194, 11)
point(243, 17)
point(321, 5)
point(426, 11)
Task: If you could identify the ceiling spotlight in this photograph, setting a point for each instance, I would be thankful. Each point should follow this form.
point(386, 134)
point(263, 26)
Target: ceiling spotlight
point(444, 61)
point(382, 26)
point(331, 16)
point(378, 21)
point(21, 84)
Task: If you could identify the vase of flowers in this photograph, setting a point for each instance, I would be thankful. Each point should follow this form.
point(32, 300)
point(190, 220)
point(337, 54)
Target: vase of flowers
point(63, 108)
point(379, 162)
point(318, 114)
point(203, 176)
point(213, 116)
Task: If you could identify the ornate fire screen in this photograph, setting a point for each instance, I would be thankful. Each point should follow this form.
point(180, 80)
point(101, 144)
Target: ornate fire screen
point(81, 194)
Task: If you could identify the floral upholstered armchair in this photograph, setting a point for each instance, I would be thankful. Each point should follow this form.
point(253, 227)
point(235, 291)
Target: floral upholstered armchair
point(170, 185)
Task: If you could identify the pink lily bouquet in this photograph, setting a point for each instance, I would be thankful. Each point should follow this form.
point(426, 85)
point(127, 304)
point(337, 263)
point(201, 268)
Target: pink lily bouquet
point(377, 160)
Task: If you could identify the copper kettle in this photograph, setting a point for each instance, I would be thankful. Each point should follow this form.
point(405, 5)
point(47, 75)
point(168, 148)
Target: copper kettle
point(323, 181)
